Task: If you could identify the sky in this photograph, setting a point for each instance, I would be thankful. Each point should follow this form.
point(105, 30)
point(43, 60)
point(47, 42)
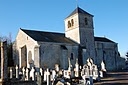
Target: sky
point(110, 17)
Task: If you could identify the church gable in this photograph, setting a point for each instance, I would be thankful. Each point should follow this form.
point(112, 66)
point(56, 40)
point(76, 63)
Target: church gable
point(24, 39)
point(24, 44)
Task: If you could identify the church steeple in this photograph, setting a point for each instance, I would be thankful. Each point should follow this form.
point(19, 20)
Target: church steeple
point(79, 28)
point(77, 23)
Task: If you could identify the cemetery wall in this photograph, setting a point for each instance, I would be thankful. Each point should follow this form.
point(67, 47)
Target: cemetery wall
point(17, 82)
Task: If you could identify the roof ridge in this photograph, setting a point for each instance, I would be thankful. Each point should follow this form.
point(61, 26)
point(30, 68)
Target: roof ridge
point(79, 10)
point(40, 31)
point(103, 39)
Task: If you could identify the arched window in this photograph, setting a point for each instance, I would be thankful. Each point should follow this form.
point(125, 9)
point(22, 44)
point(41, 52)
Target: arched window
point(72, 22)
point(71, 56)
point(69, 24)
point(29, 57)
point(86, 21)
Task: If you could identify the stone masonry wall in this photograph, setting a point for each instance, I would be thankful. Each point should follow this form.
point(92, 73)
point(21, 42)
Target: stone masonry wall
point(51, 54)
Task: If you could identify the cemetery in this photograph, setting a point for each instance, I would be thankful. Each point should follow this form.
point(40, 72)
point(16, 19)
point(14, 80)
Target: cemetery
point(79, 75)
point(75, 57)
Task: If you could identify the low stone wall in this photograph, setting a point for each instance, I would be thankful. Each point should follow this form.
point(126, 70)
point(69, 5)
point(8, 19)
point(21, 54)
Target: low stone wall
point(17, 82)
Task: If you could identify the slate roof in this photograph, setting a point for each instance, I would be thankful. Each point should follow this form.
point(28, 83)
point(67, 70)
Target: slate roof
point(103, 39)
point(42, 36)
point(79, 10)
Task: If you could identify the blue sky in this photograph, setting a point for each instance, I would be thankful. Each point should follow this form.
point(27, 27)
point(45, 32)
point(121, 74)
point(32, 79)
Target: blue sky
point(110, 17)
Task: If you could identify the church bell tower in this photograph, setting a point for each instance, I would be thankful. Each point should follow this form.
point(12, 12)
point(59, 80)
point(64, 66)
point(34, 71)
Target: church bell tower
point(79, 28)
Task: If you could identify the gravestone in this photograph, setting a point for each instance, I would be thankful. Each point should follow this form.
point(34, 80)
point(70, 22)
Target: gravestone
point(48, 77)
point(32, 74)
point(45, 75)
point(41, 71)
point(27, 74)
point(57, 67)
point(103, 69)
point(53, 74)
point(39, 80)
point(23, 71)
point(103, 66)
point(10, 73)
point(17, 72)
point(76, 69)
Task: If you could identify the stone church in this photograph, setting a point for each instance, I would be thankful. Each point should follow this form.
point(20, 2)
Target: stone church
point(45, 49)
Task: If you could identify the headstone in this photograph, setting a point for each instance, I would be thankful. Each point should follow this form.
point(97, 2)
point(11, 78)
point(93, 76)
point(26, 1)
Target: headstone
point(77, 69)
point(103, 69)
point(41, 72)
point(48, 77)
point(85, 70)
point(103, 66)
point(57, 67)
point(101, 73)
point(39, 82)
point(96, 71)
point(32, 74)
point(70, 66)
point(27, 74)
point(17, 72)
point(23, 71)
point(90, 63)
point(53, 74)
point(66, 74)
point(10, 73)
point(45, 76)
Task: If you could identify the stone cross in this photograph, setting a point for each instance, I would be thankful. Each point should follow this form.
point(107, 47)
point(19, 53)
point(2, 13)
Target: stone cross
point(48, 77)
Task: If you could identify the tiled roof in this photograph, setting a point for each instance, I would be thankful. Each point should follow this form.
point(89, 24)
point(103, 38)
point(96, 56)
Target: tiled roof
point(103, 39)
point(42, 36)
point(79, 10)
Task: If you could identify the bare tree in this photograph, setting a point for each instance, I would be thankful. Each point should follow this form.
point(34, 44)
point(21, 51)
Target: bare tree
point(126, 55)
point(9, 48)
